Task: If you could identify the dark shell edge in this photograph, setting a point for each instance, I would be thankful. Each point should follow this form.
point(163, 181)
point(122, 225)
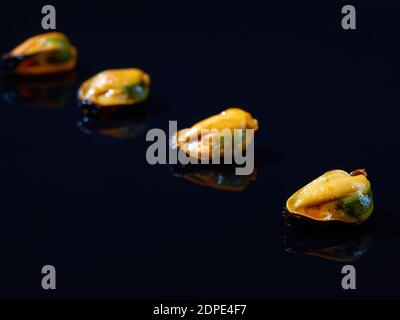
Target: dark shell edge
point(296, 221)
point(90, 108)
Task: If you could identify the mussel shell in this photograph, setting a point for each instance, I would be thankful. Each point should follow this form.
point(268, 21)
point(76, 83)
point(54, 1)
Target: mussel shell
point(9, 62)
point(300, 222)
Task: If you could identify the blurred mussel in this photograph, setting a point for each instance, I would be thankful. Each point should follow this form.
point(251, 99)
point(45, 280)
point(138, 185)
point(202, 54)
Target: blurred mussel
point(115, 89)
point(222, 177)
point(43, 54)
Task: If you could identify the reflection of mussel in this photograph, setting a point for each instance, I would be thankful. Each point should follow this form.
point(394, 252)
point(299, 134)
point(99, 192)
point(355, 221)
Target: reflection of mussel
point(343, 242)
point(348, 245)
point(220, 177)
point(123, 124)
point(47, 91)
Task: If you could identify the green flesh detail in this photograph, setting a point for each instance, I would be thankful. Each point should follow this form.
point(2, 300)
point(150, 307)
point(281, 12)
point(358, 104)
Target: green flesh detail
point(138, 92)
point(359, 206)
point(63, 53)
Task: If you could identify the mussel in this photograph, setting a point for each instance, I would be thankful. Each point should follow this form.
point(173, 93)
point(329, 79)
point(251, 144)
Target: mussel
point(113, 89)
point(43, 54)
point(335, 197)
point(217, 135)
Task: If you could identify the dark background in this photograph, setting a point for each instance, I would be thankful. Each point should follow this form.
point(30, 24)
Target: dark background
point(116, 227)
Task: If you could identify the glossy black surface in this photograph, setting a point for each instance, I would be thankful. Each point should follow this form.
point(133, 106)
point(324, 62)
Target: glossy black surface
point(116, 227)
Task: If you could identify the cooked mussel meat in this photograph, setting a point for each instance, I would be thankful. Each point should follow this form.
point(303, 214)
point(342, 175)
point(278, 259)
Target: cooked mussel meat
point(336, 196)
point(115, 88)
point(216, 136)
point(43, 54)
